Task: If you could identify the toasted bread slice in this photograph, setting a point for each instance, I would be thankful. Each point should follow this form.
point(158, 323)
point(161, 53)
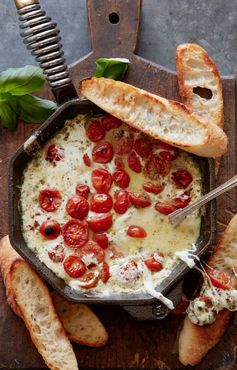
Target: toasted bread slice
point(30, 298)
point(200, 85)
point(195, 341)
point(80, 322)
point(163, 119)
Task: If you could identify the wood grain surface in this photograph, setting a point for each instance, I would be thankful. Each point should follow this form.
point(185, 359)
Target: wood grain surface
point(132, 344)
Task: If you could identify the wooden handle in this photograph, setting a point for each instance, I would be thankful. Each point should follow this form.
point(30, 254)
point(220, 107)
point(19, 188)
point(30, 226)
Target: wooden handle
point(114, 26)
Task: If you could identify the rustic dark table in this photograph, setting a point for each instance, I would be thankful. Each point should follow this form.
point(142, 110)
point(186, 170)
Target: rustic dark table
point(165, 24)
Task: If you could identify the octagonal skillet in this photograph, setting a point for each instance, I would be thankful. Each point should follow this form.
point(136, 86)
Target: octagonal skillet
point(42, 38)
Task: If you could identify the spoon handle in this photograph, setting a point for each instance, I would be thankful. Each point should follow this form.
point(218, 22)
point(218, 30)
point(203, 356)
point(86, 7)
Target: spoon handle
point(178, 216)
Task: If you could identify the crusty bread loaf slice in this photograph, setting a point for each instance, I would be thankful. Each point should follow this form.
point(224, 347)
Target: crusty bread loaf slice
point(195, 341)
point(200, 85)
point(30, 298)
point(163, 119)
point(80, 322)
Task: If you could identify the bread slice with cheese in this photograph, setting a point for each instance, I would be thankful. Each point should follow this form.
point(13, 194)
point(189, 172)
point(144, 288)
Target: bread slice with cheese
point(200, 85)
point(80, 322)
point(30, 299)
point(195, 341)
point(163, 119)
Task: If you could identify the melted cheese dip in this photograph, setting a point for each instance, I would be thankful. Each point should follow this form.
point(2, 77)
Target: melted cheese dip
point(65, 174)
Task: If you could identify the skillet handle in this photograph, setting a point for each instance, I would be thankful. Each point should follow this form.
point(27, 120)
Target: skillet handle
point(42, 37)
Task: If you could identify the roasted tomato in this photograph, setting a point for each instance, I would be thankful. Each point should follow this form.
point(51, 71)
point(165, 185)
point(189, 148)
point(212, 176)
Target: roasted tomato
point(143, 147)
point(101, 203)
point(95, 132)
point(163, 167)
point(151, 169)
point(105, 274)
point(109, 122)
point(219, 279)
point(50, 229)
point(74, 266)
point(121, 201)
point(77, 207)
point(57, 254)
point(101, 239)
point(100, 223)
point(123, 142)
point(89, 280)
point(83, 190)
point(101, 180)
point(121, 178)
point(50, 200)
point(166, 151)
point(153, 265)
point(54, 153)
point(136, 232)
point(75, 233)
point(91, 254)
point(134, 162)
point(86, 160)
point(152, 188)
point(102, 153)
point(165, 208)
point(181, 201)
point(119, 164)
point(181, 306)
point(181, 178)
point(140, 200)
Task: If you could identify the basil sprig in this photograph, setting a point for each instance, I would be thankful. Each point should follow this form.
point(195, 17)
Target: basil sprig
point(16, 86)
point(114, 68)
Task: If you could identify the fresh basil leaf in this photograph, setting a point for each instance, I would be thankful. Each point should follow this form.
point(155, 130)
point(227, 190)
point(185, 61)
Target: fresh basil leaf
point(21, 81)
point(33, 109)
point(7, 114)
point(114, 68)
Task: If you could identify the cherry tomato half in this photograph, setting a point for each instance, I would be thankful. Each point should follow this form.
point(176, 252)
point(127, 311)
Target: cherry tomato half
point(101, 203)
point(166, 151)
point(121, 201)
point(54, 153)
point(152, 188)
point(105, 274)
point(101, 239)
point(83, 190)
point(102, 153)
point(134, 162)
point(86, 160)
point(143, 147)
point(77, 207)
point(50, 200)
point(109, 122)
point(165, 208)
point(119, 164)
point(140, 200)
point(163, 167)
point(100, 223)
point(181, 201)
point(57, 254)
point(91, 253)
point(219, 279)
point(101, 180)
point(50, 229)
point(153, 265)
point(95, 132)
point(121, 178)
point(74, 266)
point(75, 233)
point(181, 178)
point(89, 280)
point(136, 232)
point(123, 142)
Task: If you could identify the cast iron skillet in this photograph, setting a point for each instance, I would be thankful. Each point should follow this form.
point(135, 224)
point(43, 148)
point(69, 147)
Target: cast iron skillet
point(41, 35)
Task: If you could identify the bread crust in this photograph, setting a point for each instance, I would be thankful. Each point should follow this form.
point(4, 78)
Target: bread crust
point(194, 340)
point(163, 119)
point(196, 69)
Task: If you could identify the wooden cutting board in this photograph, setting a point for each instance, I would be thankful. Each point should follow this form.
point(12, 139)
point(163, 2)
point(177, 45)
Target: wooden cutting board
point(132, 344)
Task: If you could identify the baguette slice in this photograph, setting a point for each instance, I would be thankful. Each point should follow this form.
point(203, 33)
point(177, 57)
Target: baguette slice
point(80, 322)
point(198, 73)
point(163, 119)
point(195, 341)
point(29, 297)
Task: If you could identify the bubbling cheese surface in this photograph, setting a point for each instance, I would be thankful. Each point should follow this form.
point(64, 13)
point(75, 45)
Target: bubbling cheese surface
point(65, 174)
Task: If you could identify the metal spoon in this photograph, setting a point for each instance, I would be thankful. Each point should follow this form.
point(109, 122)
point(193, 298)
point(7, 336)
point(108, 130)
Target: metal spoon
point(178, 216)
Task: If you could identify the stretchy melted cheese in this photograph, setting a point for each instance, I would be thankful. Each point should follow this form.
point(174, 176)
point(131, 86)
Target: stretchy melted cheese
point(65, 174)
